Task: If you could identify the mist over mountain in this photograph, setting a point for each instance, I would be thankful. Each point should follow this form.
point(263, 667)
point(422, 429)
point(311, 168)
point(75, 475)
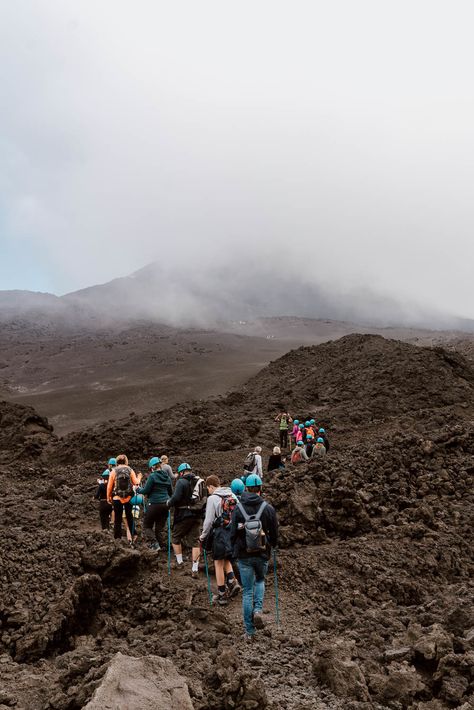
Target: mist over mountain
point(198, 296)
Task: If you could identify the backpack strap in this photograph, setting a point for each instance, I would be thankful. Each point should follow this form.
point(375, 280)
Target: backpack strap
point(255, 516)
point(259, 512)
point(243, 511)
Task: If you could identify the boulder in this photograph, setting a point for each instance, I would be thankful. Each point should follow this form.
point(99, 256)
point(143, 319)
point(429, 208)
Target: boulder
point(148, 683)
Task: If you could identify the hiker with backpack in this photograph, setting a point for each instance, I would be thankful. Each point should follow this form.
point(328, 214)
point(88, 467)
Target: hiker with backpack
point(122, 479)
point(158, 489)
point(309, 448)
point(105, 509)
point(253, 532)
point(319, 448)
point(284, 419)
point(253, 463)
point(215, 537)
point(299, 453)
point(324, 437)
point(189, 501)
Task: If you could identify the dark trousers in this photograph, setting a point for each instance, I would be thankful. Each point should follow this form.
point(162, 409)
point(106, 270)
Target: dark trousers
point(105, 510)
point(283, 438)
point(119, 507)
point(156, 516)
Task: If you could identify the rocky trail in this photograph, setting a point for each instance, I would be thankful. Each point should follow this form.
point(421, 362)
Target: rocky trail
point(376, 559)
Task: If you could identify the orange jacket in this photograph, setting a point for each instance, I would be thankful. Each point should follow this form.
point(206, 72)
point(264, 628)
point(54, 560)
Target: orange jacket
point(111, 485)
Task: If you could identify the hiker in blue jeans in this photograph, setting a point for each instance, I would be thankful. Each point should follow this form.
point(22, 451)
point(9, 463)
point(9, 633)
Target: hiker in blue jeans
point(254, 531)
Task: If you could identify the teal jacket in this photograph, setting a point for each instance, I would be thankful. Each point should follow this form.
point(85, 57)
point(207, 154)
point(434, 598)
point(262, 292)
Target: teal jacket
point(158, 487)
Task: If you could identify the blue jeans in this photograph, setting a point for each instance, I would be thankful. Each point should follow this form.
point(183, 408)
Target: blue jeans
point(252, 576)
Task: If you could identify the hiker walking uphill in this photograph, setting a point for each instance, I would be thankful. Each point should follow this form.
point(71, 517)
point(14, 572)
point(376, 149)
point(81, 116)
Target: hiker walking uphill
point(215, 537)
point(119, 493)
point(189, 502)
point(275, 461)
point(254, 531)
point(299, 453)
point(105, 508)
point(253, 463)
point(284, 420)
point(158, 489)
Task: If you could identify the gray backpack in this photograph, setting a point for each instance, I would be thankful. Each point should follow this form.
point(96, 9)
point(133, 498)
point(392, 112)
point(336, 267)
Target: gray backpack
point(255, 539)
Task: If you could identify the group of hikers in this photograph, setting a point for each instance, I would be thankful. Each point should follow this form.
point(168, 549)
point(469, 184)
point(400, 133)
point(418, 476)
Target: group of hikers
point(233, 523)
point(307, 439)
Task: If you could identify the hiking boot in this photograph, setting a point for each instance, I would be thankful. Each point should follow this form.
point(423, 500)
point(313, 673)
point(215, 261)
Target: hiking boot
point(249, 638)
point(258, 620)
point(154, 546)
point(178, 565)
point(233, 588)
point(195, 574)
point(220, 598)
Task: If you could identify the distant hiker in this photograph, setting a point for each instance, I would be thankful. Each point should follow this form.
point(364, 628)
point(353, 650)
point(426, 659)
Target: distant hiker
point(309, 448)
point(189, 502)
point(254, 531)
point(237, 487)
point(310, 432)
point(299, 454)
point(275, 461)
point(105, 508)
point(299, 434)
point(294, 431)
point(323, 435)
point(158, 489)
point(167, 468)
point(215, 537)
point(319, 448)
point(119, 492)
point(284, 420)
point(253, 463)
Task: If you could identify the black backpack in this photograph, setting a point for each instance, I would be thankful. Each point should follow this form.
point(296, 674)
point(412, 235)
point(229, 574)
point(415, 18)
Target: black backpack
point(123, 482)
point(255, 538)
point(250, 461)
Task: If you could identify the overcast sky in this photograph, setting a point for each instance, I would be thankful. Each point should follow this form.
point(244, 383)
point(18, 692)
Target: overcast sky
point(334, 139)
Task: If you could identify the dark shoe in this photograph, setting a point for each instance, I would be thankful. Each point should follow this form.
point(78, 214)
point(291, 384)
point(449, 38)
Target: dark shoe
point(233, 588)
point(178, 565)
point(154, 546)
point(249, 638)
point(258, 620)
point(220, 598)
point(195, 574)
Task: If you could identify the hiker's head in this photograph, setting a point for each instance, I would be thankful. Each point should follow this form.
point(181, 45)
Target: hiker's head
point(258, 449)
point(122, 460)
point(154, 463)
point(164, 459)
point(237, 486)
point(312, 422)
point(212, 483)
point(301, 426)
point(307, 423)
point(183, 468)
point(111, 463)
point(276, 450)
point(309, 437)
point(320, 440)
point(106, 473)
point(253, 483)
point(322, 431)
point(296, 421)
point(300, 443)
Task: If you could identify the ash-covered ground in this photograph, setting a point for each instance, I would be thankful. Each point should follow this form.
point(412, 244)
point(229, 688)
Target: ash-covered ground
point(376, 558)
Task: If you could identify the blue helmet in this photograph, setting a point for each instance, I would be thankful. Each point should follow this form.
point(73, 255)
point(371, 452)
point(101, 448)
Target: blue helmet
point(312, 421)
point(253, 480)
point(106, 473)
point(296, 421)
point(237, 486)
point(309, 436)
point(307, 423)
point(183, 467)
point(301, 426)
point(320, 440)
point(154, 461)
point(112, 462)
point(322, 431)
point(300, 443)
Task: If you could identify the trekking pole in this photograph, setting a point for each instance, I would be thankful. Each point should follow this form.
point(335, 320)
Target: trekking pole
point(275, 584)
point(208, 578)
point(169, 542)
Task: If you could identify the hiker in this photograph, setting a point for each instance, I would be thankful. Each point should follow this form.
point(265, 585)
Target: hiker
point(188, 501)
point(237, 487)
point(119, 493)
point(167, 468)
point(294, 431)
point(105, 509)
point(158, 489)
point(275, 461)
point(299, 454)
point(310, 431)
point(323, 435)
point(319, 448)
point(253, 463)
point(309, 448)
point(254, 531)
point(215, 537)
point(284, 420)
point(299, 435)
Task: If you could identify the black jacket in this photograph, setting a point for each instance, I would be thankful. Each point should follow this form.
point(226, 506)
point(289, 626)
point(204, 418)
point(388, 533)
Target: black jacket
point(274, 462)
point(251, 503)
point(182, 498)
point(101, 492)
